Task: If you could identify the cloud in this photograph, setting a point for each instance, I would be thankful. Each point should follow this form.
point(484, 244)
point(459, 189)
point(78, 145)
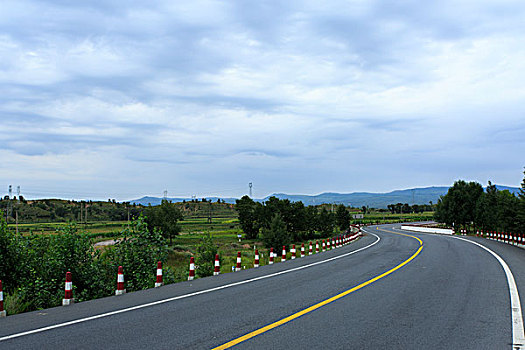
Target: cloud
point(296, 97)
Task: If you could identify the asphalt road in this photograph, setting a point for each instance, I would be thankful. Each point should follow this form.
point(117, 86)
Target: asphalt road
point(452, 295)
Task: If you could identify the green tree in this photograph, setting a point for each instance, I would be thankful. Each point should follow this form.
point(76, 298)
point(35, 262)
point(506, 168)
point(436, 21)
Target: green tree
point(276, 235)
point(326, 222)
point(507, 211)
point(310, 219)
point(165, 218)
point(458, 206)
point(342, 217)
point(246, 208)
point(13, 249)
point(486, 214)
point(521, 208)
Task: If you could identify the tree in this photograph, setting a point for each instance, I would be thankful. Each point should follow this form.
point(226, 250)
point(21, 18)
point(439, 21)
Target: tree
point(247, 218)
point(458, 206)
point(521, 208)
point(325, 222)
point(342, 217)
point(485, 212)
point(276, 236)
point(310, 219)
point(164, 217)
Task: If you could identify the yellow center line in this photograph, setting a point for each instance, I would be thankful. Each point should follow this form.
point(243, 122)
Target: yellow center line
point(322, 303)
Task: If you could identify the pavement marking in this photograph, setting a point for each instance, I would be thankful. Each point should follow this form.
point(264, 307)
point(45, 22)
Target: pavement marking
point(292, 317)
point(94, 317)
point(518, 335)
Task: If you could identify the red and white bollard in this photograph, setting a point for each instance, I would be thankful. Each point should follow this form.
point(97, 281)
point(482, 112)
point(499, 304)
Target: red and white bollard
point(310, 248)
point(328, 244)
point(293, 251)
point(2, 311)
point(283, 259)
point(271, 257)
point(238, 267)
point(120, 281)
point(324, 246)
point(256, 262)
point(159, 275)
point(68, 294)
point(191, 276)
point(217, 268)
point(302, 250)
point(316, 247)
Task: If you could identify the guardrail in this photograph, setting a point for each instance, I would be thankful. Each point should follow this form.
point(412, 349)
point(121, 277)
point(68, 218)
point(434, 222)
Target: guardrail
point(416, 228)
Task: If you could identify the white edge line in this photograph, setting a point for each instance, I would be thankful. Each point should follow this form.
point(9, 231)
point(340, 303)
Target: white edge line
point(518, 339)
point(80, 320)
point(518, 335)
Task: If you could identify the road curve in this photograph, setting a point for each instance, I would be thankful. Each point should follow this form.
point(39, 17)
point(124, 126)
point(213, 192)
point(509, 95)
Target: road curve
point(451, 295)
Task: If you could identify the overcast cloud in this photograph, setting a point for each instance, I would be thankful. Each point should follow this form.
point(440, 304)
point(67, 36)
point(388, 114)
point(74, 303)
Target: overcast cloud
point(123, 99)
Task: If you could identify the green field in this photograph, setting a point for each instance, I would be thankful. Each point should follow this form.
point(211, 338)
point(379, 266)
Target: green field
point(223, 230)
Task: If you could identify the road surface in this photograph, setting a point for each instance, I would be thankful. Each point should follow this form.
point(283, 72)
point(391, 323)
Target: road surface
point(391, 291)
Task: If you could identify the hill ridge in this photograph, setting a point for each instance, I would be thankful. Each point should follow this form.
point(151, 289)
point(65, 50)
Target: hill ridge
point(417, 195)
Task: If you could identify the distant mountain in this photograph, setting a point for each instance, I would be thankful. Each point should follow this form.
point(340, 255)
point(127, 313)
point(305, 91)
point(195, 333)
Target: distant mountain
point(356, 199)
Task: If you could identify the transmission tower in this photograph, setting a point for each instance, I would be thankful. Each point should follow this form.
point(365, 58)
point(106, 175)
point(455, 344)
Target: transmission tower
point(250, 185)
point(165, 194)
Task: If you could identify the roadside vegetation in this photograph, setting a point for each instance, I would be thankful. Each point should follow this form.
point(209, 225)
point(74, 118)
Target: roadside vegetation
point(34, 256)
point(468, 206)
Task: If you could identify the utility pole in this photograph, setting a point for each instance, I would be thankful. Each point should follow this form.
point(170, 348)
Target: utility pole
point(9, 202)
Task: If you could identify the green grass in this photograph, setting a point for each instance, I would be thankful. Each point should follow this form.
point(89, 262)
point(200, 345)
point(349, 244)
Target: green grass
point(223, 229)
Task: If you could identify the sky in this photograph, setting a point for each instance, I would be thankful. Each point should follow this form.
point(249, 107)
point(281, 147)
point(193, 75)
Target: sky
point(112, 99)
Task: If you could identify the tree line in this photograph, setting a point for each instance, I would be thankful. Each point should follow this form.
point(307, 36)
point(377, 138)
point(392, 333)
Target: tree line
point(468, 206)
point(400, 208)
point(279, 222)
point(59, 210)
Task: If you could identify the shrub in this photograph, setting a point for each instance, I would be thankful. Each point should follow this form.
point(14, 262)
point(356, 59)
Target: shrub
point(205, 258)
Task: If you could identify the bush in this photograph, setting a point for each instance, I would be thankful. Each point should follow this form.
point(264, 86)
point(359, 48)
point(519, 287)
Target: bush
point(33, 268)
point(138, 253)
point(205, 258)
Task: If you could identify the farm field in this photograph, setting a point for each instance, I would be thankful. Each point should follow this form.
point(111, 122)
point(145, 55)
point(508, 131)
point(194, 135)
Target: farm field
point(223, 231)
